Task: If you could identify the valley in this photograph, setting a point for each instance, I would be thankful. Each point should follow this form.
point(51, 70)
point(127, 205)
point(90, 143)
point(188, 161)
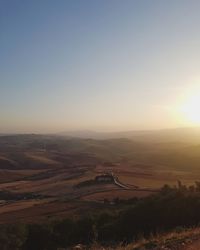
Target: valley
point(46, 177)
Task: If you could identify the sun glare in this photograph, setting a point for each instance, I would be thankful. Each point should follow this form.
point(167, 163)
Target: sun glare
point(191, 108)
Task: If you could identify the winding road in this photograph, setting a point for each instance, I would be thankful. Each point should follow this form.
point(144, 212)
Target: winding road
point(119, 184)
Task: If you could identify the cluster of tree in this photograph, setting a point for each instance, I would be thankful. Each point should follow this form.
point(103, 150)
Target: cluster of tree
point(7, 196)
point(170, 208)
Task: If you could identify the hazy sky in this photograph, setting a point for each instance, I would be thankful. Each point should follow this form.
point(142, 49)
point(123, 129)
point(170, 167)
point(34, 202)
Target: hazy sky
point(96, 64)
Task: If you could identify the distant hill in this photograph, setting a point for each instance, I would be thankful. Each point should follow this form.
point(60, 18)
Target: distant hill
point(174, 148)
point(163, 135)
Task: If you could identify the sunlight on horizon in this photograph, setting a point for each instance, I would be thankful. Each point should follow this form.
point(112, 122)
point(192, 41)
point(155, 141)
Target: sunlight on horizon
point(191, 109)
point(189, 106)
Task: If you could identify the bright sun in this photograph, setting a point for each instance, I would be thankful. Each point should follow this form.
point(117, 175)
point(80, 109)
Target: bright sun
point(191, 108)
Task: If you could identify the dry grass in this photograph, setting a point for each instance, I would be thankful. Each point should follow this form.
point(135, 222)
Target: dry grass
point(183, 240)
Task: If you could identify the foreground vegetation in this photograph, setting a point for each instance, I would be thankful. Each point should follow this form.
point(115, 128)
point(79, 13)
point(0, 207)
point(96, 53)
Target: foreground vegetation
point(177, 239)
point(172, 207)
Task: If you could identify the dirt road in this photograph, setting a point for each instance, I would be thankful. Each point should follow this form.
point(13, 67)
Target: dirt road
point(194, 246)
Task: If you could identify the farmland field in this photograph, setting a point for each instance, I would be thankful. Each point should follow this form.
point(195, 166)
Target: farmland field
point(39, 183)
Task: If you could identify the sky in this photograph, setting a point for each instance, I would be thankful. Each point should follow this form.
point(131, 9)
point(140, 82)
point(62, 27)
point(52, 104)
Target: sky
point(104, 65)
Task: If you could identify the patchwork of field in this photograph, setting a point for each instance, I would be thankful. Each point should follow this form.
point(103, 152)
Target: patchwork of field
point(39, 183)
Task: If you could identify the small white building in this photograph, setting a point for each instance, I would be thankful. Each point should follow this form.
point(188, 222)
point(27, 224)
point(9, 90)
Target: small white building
point(104, 178)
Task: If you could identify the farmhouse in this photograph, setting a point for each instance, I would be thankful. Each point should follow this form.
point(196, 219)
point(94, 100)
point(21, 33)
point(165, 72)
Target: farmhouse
point(104, 178)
